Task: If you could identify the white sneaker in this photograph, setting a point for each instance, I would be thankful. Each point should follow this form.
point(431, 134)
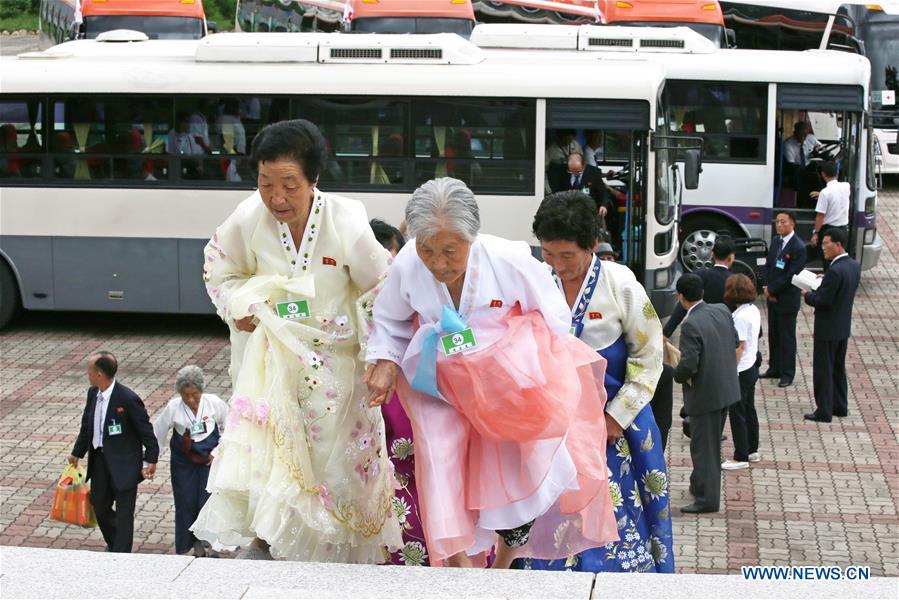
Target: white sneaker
point(755, 457)
point(734, 465)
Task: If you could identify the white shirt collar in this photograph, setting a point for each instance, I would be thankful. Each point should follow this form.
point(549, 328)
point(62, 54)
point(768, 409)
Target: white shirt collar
point(107, 393)
point(832, 182)
point(788, 237)
point(836, 258)
point(692, 307)
point(720, 266)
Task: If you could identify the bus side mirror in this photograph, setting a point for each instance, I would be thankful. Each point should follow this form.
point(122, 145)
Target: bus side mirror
point(692, 168)
point(731, 37)
point(212, 27)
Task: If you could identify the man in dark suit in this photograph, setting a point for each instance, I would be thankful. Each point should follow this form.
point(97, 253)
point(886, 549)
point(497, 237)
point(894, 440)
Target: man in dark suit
point(785, 259)
point(708, 372)
point(577, 175)
point(833, 324)
point(121, 450)
point(713, 280)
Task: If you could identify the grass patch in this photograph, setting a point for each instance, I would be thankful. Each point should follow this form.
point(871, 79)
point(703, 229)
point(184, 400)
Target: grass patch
point(25, 21)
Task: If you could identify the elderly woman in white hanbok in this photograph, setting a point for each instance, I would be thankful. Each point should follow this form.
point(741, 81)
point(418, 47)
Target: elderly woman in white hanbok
point(507, 414)
point(301, 470)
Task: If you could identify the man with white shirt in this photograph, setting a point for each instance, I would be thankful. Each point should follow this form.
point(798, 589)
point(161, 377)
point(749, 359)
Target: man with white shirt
point(833, 204)
point(797, 152)
point(121, 450)
point(833, 324)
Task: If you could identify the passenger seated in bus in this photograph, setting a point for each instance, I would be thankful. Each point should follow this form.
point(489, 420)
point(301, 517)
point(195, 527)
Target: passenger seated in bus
point(593, 149)
point(9, 166)
point(181, 139)
point(62, 143)
point(231, 129)
point(558, 151)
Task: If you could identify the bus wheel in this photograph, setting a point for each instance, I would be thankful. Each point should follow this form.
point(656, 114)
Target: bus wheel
point(742, 268)
point(10, 302)
point(698, 239)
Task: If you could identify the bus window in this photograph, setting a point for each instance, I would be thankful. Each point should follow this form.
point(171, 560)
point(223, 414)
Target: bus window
point(366, 139)
point(21, 138)
point(484, 143)
point(98, 139)
point(730, 117)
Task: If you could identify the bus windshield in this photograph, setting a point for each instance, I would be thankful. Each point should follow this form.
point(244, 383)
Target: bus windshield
point(156, 27)
point(462, 27)
point(881, 35)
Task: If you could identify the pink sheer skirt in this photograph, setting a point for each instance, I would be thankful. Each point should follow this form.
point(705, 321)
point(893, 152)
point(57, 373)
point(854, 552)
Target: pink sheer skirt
point(509, 410)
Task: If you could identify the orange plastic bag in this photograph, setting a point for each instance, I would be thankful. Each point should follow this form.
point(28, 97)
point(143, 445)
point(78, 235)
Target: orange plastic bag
point(72, 501)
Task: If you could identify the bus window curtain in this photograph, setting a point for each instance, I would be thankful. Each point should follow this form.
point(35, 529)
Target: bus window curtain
point(32, 144)
point(82, 130)
point(376, 174)
point(440, 142)
point(152, 145)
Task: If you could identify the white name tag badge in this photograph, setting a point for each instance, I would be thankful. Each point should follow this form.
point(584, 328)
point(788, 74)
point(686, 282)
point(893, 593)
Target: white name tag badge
point(115, 428)
point(780, 264)
point(198, 428)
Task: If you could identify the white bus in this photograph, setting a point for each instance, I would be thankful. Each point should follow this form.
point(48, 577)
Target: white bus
point(101, 213)
point(869, 28)
point(743, 104)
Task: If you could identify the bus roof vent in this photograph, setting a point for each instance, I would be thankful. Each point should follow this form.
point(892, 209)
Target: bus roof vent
point(409, 49)
point(119, 36)
point(611, 38)
point(661, 43)
point(610, 42)
point(259, 47)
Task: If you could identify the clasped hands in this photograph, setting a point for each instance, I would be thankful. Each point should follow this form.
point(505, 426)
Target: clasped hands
point(381, 381)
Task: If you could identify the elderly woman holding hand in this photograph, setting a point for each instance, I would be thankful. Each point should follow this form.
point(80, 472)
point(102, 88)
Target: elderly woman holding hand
point(302, 472)
point(505, 405)
point(609, 310)
point(196, 421)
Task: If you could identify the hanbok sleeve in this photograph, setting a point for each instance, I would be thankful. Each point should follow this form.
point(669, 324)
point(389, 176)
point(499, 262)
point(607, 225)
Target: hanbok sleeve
point(537, 290)
point(163, 425)
point(368, 262)
point(391, 313)
point(643, 334)
point(229, 262)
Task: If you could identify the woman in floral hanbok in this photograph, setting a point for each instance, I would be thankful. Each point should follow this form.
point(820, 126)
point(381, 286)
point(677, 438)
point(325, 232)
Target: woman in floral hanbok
point(302, 471)
point(505, 405)
point(609, 310)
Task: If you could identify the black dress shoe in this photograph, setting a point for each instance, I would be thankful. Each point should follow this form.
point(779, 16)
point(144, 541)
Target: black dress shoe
point(785, 383)
point(697, 508)
point(815, 417)
point(769, 374)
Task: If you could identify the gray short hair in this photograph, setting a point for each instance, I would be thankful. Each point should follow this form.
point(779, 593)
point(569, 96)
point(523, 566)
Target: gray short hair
point(443, 204)
point(190, 375)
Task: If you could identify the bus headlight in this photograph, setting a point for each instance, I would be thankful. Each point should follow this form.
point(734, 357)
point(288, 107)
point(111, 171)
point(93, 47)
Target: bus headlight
point(662, 278)
point(870, 234)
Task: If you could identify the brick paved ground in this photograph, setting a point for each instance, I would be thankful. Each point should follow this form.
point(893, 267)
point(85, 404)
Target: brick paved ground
point(823, 494)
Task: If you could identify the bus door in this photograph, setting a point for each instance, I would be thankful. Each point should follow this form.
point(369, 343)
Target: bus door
point(611, 135)
point(833, 115)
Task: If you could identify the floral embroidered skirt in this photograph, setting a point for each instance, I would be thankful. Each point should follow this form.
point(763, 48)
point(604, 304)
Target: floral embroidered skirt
point(398, 431)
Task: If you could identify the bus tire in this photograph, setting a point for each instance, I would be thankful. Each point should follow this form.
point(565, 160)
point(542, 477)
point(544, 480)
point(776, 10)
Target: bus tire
point(741, 268)
point(10, 301)
point(697, 238)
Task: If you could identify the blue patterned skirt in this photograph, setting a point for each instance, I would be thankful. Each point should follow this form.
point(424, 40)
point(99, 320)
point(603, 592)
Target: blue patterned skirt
point(638, 484)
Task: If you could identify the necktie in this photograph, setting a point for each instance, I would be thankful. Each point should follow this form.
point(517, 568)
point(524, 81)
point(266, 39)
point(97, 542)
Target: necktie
point(576, 182)
point(802, 154)
point(98, 420)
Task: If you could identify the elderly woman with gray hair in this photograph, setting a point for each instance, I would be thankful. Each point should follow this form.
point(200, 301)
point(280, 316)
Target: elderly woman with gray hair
point(506, 406)
point(196, 421)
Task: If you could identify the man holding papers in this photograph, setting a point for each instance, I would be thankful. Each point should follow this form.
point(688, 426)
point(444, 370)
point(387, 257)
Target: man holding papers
point(833, 317)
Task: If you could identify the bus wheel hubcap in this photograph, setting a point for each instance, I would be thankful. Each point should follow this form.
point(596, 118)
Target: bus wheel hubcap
point(696, 251)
